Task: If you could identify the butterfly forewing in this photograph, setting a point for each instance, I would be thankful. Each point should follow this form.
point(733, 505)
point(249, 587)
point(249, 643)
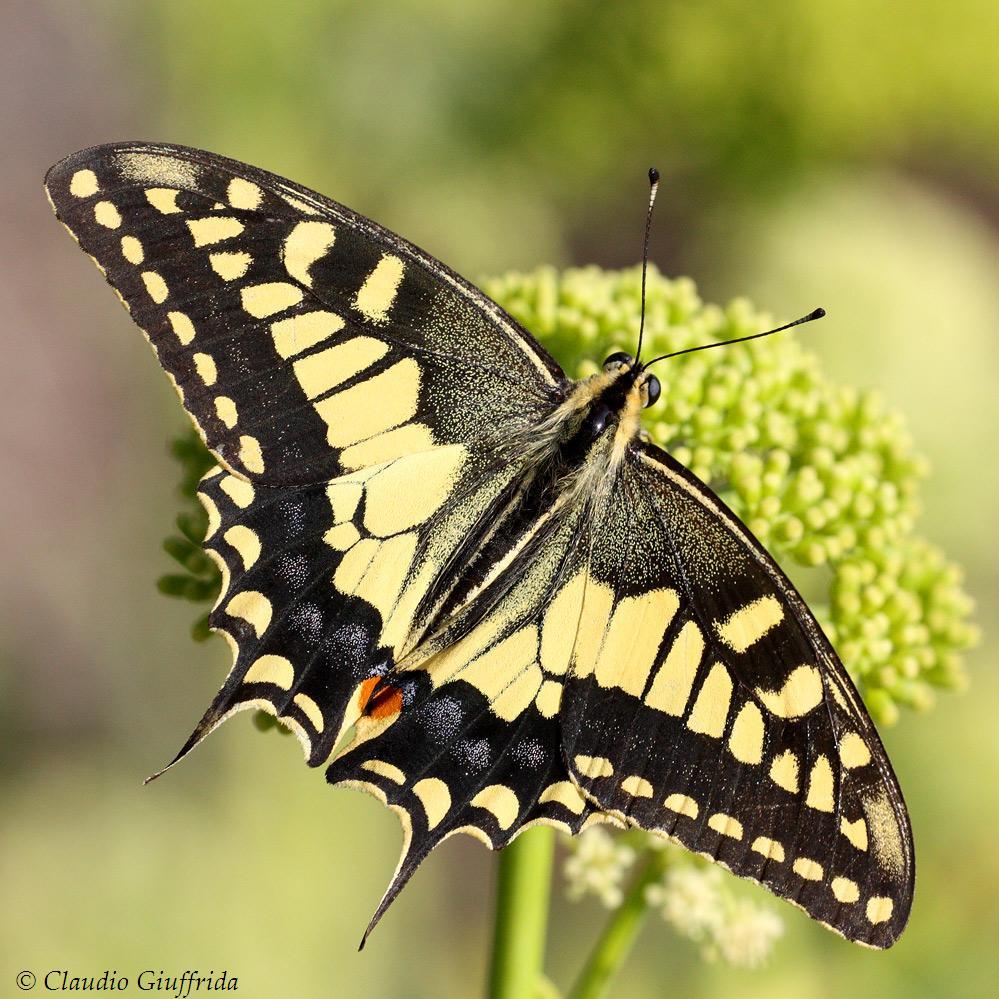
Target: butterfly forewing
point(304, 340)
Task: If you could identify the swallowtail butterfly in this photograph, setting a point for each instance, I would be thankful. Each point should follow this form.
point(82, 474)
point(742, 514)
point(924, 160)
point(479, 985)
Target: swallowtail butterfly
point(470, 585)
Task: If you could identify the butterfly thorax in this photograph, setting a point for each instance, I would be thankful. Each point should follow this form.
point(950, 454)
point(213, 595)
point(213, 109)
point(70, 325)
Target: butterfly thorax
point(570, 462)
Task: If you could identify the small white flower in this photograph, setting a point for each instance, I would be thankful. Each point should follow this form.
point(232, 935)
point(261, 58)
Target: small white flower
point(747, 935)
point(597, 866)
point(689, 900)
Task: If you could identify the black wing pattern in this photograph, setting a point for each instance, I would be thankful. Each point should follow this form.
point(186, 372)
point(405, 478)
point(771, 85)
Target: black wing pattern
point(704, 703)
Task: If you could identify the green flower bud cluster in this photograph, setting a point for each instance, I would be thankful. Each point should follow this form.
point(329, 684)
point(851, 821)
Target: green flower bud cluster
point(822, 474)
point(200, 579)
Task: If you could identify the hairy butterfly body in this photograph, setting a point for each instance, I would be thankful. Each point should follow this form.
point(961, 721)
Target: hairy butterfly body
point(471, 586)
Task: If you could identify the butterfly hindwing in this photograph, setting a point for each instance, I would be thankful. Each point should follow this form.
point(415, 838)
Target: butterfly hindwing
point(704, 704)
point(476, 747)
point(305, 340)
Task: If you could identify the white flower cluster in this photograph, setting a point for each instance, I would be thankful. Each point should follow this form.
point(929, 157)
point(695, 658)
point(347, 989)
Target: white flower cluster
point(695, 902)
point(597, 866)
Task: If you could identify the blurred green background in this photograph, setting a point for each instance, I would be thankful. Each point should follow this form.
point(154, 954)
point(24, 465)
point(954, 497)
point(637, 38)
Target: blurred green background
point(837, 153)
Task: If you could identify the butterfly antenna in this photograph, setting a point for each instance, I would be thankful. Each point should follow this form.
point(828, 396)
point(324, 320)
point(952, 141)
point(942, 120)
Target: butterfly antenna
point(653, 190)
point(811, 317)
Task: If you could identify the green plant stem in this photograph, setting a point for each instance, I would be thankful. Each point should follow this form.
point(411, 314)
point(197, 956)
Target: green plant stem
point(619, 934)
point(522, 891)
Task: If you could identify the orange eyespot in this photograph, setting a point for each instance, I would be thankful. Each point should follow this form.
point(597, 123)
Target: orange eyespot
point(379, 701)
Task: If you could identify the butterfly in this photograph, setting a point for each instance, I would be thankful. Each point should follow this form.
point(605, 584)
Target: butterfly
point(471, 586)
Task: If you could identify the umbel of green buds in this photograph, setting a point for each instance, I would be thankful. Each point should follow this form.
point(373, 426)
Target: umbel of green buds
point(824, 475)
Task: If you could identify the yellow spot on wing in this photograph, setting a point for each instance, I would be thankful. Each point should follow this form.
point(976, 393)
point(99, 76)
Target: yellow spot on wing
point(271, 669)
point(746, 740)
point(637, 787)
point(411, 490)
point(182, 327)
point(225, 409)
point(311, 710)
point(305, 244)
point(83, 184)
point(784, 771)
point(632, 641)
point(683, 804)
point(594, 766)
point(156, 286)
point(844, 890)
point(855, 832)
point(107, 215)
point(549, 698)
point(163, 199)
point(501, 801)
point(238, 490)
point(853, 751)
point(383, 769)
point(768, 848)
point(205, 366)
point(318, 373)
point(250, 454)
point(672, 684)
point(230, 265)
point(243, 194)
point(711, 707)
point(565, 793)
point(378, 292)
point(214, 229)
point(373, 406)
point(245, 542)
point(435, 798)
point(131, 250)
point(725, 825)
point(342, 537)
point(262, 300)
point(750, 623)
point(802, 691)
point(820, 786)
point(879, 909)
point(253, 607)
point(810, 870)
point(297, 333)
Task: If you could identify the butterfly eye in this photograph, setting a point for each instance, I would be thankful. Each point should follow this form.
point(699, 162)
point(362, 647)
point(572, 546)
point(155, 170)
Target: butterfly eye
point(652, 390)
point(617, 358)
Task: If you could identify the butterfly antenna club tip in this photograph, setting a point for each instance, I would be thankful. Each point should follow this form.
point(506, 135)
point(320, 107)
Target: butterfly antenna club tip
point(653, 191)
point(811, 317)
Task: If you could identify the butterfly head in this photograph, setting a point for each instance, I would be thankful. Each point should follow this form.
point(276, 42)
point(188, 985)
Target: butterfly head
point(621, 363)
